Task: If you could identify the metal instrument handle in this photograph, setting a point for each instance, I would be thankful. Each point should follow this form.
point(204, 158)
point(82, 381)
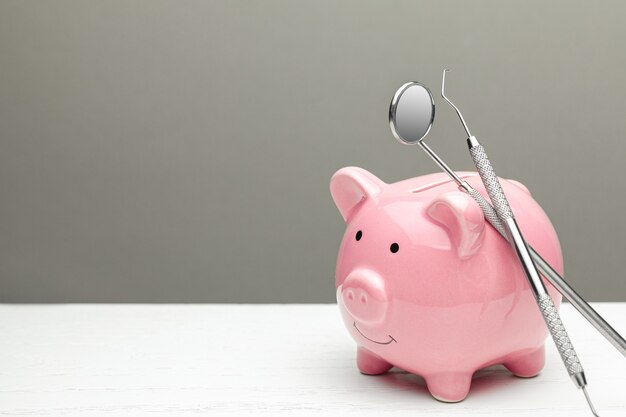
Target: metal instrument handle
point(560, 336)
point(546, 306)
point(490, 180)
point(579, 303)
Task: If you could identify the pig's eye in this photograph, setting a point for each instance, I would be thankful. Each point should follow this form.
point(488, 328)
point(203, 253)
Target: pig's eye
point(359, 234)
point(394, 247)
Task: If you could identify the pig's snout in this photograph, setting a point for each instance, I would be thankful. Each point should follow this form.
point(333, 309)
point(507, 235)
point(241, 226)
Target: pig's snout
point(364, 296)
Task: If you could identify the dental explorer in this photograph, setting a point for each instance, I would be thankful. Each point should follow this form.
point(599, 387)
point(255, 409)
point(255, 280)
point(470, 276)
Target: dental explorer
point(410, 121)
point(516, 239)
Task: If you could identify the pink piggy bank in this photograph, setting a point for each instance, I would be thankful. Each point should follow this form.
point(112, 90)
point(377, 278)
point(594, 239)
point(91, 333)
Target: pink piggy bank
point(424, 283)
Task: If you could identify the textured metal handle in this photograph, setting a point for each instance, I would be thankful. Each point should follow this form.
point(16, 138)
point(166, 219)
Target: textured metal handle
point(488, 211)
point(579, 303)
point(505, 215)
point(559, 334)
point(490, 180)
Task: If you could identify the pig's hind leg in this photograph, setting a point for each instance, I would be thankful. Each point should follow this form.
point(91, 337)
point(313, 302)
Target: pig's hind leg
point(371, 364)
point(528, 364)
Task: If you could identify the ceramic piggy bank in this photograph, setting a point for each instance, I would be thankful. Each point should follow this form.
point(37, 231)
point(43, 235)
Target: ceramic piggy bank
point(425, 284)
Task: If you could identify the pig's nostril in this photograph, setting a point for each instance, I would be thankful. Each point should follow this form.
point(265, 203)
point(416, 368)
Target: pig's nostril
point(350, 296)
point(363, 299)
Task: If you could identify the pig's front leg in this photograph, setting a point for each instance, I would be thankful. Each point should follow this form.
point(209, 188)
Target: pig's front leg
point(449, 387)
point(369, 363)
point(528, 364)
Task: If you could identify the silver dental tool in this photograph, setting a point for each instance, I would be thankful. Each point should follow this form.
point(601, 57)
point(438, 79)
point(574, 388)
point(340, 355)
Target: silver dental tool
point(411, 115)
point(516, 239)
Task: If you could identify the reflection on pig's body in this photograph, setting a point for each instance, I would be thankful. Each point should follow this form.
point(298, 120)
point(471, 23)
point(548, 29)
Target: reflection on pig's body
point(424, 283)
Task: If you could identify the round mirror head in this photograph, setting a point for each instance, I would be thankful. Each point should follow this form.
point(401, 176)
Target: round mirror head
point(411, 113)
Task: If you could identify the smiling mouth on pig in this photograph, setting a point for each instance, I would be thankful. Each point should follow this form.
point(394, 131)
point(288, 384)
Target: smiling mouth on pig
point(391, 339)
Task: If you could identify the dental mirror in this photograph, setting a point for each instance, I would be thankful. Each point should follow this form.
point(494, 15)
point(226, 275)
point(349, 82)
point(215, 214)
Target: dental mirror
point(411, 113)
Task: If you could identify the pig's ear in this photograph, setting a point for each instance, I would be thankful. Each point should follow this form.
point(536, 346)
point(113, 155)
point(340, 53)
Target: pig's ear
point(462, 218)
point(351, 186)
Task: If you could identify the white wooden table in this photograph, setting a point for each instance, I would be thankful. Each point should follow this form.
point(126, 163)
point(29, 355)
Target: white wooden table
point(140, 360)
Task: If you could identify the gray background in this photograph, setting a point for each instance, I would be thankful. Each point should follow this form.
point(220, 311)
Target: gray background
point(181, 151)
